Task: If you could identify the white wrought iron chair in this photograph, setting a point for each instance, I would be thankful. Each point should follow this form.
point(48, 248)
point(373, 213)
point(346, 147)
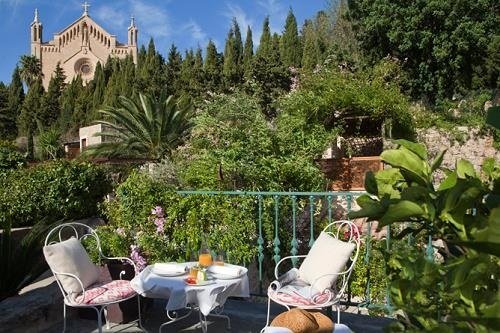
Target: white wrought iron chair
point(322, 278)
point(78, 277)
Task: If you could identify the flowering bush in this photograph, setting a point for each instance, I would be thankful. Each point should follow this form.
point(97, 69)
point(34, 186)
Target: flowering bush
point(149, 223)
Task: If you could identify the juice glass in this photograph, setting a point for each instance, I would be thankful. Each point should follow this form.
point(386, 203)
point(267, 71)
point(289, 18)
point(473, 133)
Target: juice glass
point(205, 259)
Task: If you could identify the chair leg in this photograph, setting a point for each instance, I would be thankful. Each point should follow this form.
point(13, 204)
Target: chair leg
point(268, 310)
point(99, 319)
point(338, 313)
point(64, 317)
point(105, 309)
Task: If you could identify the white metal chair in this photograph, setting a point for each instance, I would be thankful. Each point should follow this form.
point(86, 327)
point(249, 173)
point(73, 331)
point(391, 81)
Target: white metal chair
point(322, 278)
point(78, 277)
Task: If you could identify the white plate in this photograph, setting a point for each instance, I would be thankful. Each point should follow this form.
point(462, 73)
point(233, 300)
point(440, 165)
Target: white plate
point(219, 276)
point(161, 272)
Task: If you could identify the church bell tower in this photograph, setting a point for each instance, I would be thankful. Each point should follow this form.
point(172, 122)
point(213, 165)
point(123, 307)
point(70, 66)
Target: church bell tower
point(132, 39)
point(36, 36)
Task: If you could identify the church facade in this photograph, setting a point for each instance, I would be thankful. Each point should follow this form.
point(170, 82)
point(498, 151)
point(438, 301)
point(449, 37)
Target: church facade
point(79, 47)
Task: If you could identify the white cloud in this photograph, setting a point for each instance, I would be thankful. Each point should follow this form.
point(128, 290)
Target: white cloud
point(195, 31)
point(152, 20)
point(277, 14)
point(112, 16)
point(241, 17)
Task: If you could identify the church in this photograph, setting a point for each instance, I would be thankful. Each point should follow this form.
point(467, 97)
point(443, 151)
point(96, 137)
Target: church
point(79, 47)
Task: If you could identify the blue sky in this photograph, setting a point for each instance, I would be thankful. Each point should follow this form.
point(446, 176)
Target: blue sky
point(187, 23)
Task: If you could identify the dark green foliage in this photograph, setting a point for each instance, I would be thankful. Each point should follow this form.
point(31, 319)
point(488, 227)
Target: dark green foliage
point(265, 40)
point(59, 189)
point(444, 44)
point(4, 111)
point(458, 290)
point(232, 146)
point(248, 55)
point(8, 130)
point(291, 52)
point(271, 78)
point(144, 127)
point(213, 68)
point(51, 104)
point(233, 56)
point(71, 94)
point(22, 259)
point(331, 95)
point(186, 218)
point(32, 108)
point(173, 70)
point(10, 158)
point(311, 53)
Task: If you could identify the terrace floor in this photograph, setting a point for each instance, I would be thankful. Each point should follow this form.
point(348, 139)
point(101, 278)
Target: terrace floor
point(246, 317)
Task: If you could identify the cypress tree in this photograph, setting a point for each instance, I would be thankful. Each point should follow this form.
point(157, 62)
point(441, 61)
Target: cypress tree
point(68, 101)
point(238, 43)
point(31, 108)
point(14, 106)
point(212, 68)
point(290, 42)
point(310, 54)
point(198, 74)
point(323, 30)
point(99, 87)
point(4, 110)
point(187, 75)
point(230, 68)
point(265, 39)
point(51, 104)
point(248, 54)
point(173, 70)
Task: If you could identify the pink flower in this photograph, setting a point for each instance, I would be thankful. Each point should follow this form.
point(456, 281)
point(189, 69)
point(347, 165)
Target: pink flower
point(159, 222)
point(136, 257)
point(158, 211)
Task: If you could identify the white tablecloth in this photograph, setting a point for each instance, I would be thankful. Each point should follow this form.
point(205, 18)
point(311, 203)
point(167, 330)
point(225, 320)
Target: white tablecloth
point(179, 294)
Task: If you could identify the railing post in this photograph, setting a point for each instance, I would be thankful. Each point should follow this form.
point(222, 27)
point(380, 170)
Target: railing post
point(260, 242)
point(329, 209)
point(276, 241)
point(294, 242)
point(311, 216)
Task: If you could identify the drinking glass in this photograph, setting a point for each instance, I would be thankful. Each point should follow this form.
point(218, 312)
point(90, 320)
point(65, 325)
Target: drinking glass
point(219, 259)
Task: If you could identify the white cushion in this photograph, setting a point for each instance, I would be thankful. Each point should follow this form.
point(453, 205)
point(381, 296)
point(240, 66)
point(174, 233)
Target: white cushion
point(328, 255)
point(69, 256)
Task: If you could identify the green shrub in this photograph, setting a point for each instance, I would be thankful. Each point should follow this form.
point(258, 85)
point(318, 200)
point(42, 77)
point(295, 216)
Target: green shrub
point(59, 189)
point(10, 158)
point(130, 222)
point(330, 96)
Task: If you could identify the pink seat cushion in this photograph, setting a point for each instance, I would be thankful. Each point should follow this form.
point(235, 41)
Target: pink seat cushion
point(106, 292)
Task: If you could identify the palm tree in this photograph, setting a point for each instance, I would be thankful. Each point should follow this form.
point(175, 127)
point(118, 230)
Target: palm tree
point(143, 128)
point(31, 69)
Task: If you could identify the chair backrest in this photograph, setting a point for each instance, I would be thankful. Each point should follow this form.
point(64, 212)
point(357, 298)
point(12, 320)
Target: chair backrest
point(68, 260)
point(348, 232)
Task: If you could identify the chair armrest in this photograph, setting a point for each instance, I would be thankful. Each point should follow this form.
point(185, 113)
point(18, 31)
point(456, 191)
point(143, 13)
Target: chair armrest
point(276, 268)
point(65, 292)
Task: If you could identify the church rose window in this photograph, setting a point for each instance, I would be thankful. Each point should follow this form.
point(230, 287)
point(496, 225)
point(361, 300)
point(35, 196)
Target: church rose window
point(84, 67)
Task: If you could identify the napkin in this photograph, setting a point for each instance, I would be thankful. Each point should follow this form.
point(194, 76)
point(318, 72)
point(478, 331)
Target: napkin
point(169, 268)
point(229, 271)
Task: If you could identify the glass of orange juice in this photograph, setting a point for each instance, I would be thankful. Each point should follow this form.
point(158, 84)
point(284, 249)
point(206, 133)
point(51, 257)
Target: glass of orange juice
point(205, 259)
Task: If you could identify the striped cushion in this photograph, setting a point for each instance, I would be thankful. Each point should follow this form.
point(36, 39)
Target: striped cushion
point(108, 292)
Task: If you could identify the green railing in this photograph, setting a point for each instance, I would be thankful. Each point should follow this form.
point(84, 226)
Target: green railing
point(294, 206)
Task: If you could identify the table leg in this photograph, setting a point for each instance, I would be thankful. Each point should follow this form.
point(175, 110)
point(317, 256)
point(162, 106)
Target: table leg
point(173, 316)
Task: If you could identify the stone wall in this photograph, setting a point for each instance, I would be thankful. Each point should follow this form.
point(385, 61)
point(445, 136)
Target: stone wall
point(471, 145)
